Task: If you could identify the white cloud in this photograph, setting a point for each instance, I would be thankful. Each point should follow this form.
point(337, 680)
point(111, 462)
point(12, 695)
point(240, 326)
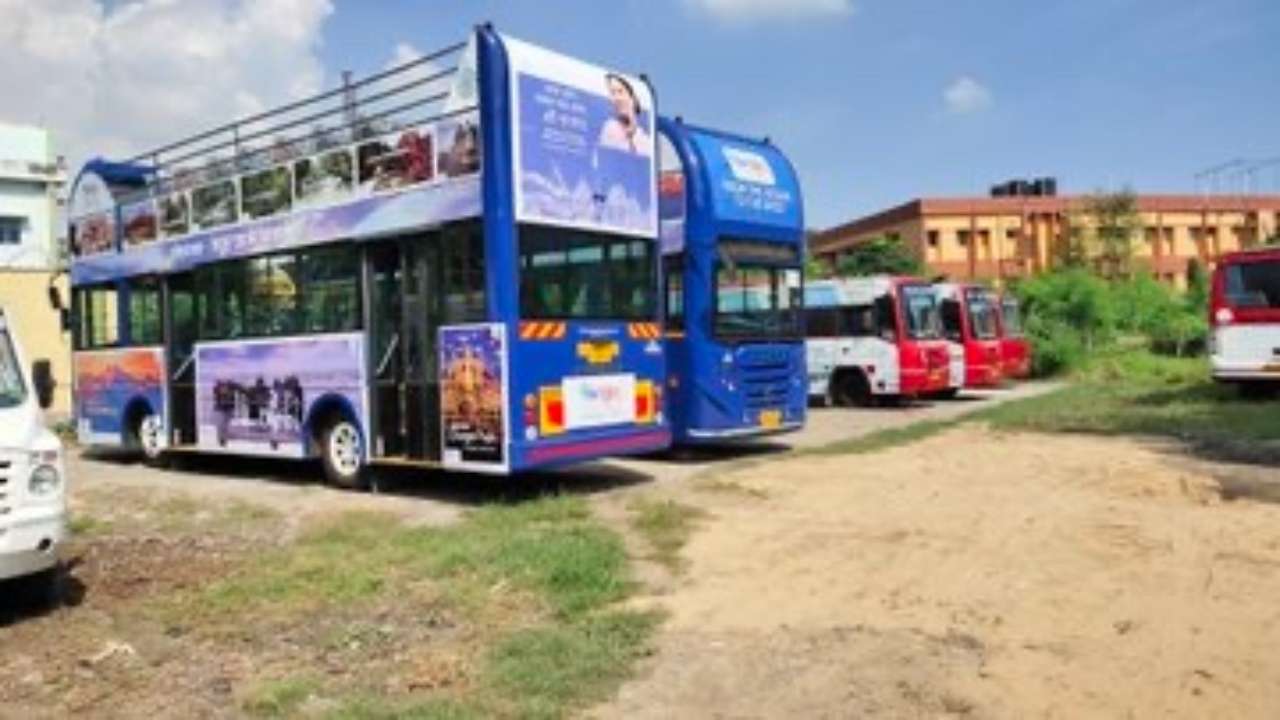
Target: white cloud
point(966, 95)
point(754, 10)
point(115, 79)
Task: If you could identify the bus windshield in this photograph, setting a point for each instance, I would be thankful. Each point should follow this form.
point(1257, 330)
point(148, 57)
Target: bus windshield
point(756, 298)
point(982, 313)
point(1011, 313)
point(12, 388)
point(1254, 285)
point(920, 309)
point(574, 275)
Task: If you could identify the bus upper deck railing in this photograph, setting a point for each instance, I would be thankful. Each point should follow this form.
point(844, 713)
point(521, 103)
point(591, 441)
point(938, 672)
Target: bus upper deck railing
point(240, 171)
point(361, 117)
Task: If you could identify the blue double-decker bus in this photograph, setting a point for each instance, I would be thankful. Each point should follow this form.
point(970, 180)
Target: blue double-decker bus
point(450, 263)
point(732, 227)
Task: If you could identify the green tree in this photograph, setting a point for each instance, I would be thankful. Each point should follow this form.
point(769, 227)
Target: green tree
point(885, 254)
point(1103, 234)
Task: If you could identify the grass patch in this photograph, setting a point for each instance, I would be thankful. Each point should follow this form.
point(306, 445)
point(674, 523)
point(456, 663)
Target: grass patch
point(1136, 393)
point(551, 668)
point(666, 526)
point(279, 698)
point(886, 439)
point(523, 593)
point(730, 487)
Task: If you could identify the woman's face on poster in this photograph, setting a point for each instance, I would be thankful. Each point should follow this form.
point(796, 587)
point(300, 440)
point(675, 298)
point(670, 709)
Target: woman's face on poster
point(624, 104)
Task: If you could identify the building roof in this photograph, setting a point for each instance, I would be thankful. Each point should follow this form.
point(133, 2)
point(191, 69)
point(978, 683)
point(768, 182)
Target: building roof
point(920, 208)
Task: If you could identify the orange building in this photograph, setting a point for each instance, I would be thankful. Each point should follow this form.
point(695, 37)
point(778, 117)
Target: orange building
point(996, 239)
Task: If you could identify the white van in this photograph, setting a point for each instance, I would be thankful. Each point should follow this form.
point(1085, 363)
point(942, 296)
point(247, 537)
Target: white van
point(1244, 314)
point(33, 509)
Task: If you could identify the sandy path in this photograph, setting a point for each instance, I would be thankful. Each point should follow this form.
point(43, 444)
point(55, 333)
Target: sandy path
point(974, 575)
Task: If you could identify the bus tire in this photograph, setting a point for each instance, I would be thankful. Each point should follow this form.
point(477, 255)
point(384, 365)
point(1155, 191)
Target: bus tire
point(342, 454)
point(150, 438)
point(851, 389)
point(948, 394)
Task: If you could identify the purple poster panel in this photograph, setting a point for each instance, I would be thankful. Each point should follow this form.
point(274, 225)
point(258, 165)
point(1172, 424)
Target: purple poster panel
point(583, 140)
point(473, 397)
point(256, 397)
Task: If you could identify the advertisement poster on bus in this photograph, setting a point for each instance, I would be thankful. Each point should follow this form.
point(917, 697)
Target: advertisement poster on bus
point(473, 397)
point(256, 397)
point(107, 383)
point(672, 204)
point(583, 142)
point(750, 182)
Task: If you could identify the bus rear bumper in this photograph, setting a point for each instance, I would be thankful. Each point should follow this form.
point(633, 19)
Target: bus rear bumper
point(545, 454)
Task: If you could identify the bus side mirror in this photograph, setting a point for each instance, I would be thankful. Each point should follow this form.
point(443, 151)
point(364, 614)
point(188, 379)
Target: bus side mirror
point(42, 379)
point(55, 298)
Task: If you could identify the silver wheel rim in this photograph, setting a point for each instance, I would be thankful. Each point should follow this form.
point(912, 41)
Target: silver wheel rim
point(149, 433)
point(344, 449)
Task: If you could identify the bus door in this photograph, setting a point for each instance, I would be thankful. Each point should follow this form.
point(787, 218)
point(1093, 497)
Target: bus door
point(403, 319)
point(180, 304)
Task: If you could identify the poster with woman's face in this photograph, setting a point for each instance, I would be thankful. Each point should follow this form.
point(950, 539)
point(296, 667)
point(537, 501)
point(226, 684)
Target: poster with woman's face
point(584, 144)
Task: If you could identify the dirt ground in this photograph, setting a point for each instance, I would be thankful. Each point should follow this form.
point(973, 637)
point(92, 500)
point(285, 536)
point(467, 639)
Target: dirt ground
point(975, 575)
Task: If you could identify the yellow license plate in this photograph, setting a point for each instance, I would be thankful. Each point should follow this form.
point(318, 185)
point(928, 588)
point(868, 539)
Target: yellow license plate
point(771, 418)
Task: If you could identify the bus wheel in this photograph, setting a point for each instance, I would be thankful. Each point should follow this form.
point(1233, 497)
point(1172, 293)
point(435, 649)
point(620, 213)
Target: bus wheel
point(150, 434)
point(851, 390)
point(342, 453)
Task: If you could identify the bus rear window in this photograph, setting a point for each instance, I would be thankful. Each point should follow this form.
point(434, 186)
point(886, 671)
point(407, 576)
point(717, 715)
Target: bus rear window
point(982, 314)
point(1254, 285)
point(573, 275)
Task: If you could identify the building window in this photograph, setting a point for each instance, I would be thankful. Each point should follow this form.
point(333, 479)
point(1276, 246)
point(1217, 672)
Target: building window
point(962, 237)
point(932, 237)
point(11, 229)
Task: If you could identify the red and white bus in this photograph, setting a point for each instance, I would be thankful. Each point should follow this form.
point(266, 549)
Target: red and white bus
point(873, 337)
point(1015, 348)
point(1244, 315)
point(971, 319)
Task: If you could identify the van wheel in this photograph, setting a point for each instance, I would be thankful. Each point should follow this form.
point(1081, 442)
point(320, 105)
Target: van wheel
point(342, 453)
point(851, 389)
point(150, 435)
point(948, 394)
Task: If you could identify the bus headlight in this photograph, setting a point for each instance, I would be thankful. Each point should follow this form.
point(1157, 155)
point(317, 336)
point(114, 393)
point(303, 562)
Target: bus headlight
point(44, 481)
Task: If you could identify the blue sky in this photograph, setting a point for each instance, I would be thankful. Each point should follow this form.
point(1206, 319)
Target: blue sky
point(1100, 93)
point(876, 101)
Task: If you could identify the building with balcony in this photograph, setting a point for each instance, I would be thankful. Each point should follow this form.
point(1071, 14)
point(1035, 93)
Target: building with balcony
point(1007, 236)
point(32, 193)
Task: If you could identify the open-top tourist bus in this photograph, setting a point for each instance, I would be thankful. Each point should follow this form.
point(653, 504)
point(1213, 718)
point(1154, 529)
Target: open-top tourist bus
point(453, 262)
point(873, 337)
point(733, 246)
point(1015, 347)
point(971, 322)
point(33, 501)
point(1244, 315)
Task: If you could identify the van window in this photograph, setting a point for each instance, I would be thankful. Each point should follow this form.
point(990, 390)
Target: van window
point(13, 390)
point(1254, 285)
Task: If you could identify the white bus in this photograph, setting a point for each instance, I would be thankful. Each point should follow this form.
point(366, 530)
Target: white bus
point(873, 337)
point(1244, 316)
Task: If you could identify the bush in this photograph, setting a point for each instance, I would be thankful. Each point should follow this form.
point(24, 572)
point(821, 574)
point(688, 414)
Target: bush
point(1072, 314)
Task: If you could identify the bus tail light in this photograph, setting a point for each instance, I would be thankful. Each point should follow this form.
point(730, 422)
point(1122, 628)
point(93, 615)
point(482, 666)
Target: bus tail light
point(1223, 316)
point(551, 411)
point(646, 401)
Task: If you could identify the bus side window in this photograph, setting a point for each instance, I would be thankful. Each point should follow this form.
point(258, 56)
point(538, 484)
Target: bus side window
point(145, 326)
point(860, 321)
point(822, 322)
point(951, 320)
point(97, 318)
point(673, 277)
point(886, 319)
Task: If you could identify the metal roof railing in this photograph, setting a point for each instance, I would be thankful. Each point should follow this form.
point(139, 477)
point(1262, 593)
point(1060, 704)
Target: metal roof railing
point(409, 94)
